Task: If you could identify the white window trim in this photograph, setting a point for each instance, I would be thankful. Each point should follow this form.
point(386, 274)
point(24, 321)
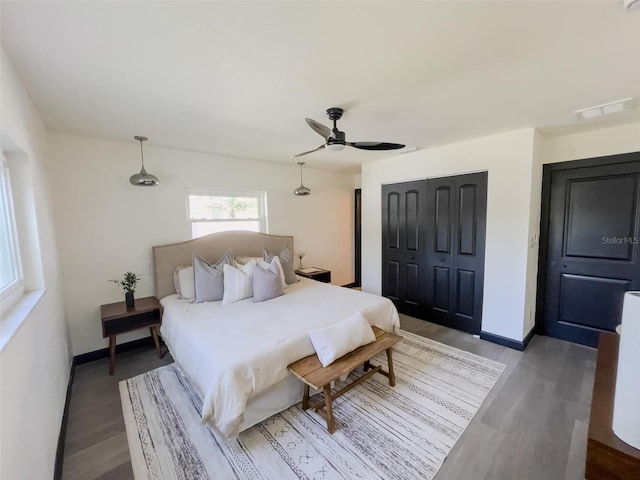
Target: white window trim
point(12, 293)
point(225, 192)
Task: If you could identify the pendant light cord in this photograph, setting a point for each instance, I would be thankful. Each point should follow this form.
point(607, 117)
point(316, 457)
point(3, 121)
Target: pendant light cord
point(141, 154)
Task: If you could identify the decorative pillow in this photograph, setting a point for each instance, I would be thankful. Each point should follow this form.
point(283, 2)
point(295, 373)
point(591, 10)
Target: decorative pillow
point(336, 340)
point(184, 282)
point(176, 282)
point(286, 259)
point(267, 282)
point(238, 282)
point(245, 260)
point(209, 286)
point(275, 261)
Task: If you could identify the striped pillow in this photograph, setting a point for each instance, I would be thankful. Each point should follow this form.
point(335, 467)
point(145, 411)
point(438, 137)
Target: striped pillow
point(238, 282)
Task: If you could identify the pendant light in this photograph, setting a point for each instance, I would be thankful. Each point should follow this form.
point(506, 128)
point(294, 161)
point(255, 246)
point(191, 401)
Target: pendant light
point(301, 191)
point(143, 179)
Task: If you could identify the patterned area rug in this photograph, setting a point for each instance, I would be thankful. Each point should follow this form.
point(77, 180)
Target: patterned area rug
point(402, 432)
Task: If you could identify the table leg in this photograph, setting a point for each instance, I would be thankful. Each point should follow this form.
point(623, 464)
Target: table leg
point(112, 354)
point(392, 377)
point(327, 403)
point(305, 397)
point(154, 334)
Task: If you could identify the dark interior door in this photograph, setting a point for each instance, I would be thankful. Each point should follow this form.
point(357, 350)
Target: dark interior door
point(455, 244)
point(403, 222)
point(592, 249)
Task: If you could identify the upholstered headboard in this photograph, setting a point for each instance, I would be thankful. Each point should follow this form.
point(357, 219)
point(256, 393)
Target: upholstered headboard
point(211, 247)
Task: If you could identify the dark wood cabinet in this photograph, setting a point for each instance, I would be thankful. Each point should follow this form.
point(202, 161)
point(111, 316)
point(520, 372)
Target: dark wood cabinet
point(117, 319)
point(608, 457)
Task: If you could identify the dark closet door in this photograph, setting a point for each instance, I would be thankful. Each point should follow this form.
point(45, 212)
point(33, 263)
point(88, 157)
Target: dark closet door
point(455, 244)
point(592, 249)
point(403, 224)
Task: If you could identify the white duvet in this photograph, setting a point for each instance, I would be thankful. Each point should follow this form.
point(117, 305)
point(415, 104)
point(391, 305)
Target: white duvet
point(236, 351)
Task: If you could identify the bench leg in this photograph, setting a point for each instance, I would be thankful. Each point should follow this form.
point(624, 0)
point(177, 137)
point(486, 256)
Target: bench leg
point(392, 377)
point(327, 403)
point(305, 397)
point(367, 366)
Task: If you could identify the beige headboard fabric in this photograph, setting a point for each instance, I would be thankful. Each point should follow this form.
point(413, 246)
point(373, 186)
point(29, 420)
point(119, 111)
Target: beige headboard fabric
point(211, 247)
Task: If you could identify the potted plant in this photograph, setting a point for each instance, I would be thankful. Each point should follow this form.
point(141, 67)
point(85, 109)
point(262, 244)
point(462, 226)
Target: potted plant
point(128, 284)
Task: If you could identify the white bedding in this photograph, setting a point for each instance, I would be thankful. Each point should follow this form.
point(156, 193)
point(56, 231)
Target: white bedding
point(234, 352)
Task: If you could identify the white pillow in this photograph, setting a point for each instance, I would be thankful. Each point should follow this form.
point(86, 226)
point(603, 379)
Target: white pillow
point(336, 340)
point(238, 282)
point(186, 287)
point(274, 260)
point(245, 260)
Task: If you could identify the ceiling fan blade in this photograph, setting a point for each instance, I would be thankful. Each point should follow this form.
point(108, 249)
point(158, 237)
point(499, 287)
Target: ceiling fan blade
point(319, 128)
point(307, 153)
point(375, 145)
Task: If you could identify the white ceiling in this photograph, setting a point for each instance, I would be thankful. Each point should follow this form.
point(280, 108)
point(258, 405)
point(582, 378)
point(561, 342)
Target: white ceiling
point(238, 78)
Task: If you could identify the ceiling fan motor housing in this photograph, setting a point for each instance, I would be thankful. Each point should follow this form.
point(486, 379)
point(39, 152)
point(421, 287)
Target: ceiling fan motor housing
point(337, 140)
point(334, 113)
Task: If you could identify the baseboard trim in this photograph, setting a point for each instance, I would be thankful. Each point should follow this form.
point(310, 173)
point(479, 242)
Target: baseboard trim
point(57, 469)
point(104, 352)
point(508, 342)
point(350, 285)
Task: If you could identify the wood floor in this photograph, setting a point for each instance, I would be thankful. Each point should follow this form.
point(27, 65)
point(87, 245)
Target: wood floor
point(533, 424)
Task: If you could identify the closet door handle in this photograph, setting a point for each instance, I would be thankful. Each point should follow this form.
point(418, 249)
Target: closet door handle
point(442, 259)
point(411, 257)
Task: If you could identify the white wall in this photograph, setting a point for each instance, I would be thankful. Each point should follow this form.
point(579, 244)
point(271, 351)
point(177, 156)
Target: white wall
point(538, 155)
point(594, 143)
point(514, 161)
point(35, 362)
point(107, 226)
point(508, 160)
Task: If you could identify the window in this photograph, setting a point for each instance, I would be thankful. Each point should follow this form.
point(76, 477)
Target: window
point(211, 211)
point(11, 285)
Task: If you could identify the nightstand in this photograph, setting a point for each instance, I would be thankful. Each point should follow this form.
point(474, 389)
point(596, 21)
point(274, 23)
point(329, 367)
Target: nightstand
point(117, 319)
point(320, 275)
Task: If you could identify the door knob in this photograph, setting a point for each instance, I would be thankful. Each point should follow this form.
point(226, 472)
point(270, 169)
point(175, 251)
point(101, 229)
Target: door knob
point(411, 257)
point(442, 259)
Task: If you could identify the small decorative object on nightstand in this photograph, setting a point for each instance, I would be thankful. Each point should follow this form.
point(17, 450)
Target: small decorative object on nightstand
point(117, 318)
point(128, 284)
point(315, 274)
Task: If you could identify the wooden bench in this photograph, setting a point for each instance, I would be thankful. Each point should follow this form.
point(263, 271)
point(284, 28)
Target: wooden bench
point(312, 373)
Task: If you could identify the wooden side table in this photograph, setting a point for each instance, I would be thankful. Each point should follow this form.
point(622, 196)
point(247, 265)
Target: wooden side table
point(117, 319)
point(319, 275)
point(608, 457)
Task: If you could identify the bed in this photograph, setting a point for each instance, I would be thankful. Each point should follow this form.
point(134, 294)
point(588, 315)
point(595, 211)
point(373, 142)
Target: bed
point(237, 355)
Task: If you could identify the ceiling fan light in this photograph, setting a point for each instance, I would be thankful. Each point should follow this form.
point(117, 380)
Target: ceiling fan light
point(336, 147)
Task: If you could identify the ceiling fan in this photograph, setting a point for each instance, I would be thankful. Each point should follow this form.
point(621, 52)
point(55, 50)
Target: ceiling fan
point(335, 139)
